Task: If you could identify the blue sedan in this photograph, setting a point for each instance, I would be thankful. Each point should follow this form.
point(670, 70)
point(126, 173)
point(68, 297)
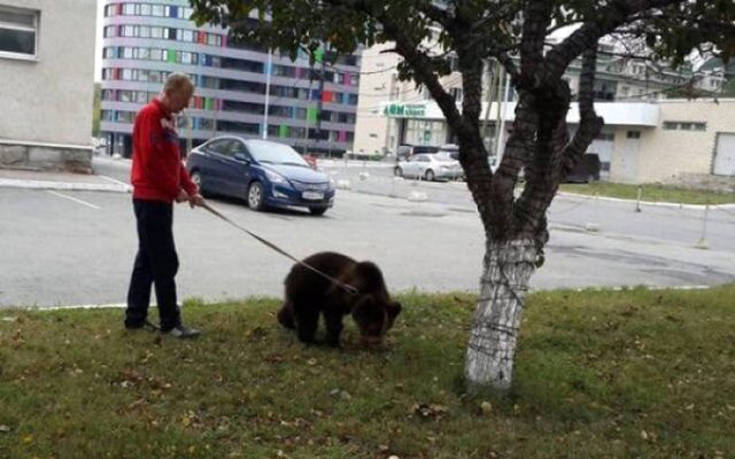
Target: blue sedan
point(266, 174)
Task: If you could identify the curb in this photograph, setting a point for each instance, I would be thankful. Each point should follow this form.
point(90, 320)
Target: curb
point(617, 288)
point(648, 203)
point(64, 186)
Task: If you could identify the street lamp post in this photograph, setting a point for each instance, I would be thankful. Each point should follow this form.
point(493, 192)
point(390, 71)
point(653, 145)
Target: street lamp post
point(268, 71)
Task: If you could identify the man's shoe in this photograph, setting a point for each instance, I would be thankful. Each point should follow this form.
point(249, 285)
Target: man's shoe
point(182, 332)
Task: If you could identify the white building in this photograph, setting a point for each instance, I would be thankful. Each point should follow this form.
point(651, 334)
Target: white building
point(47, 83)
point(646, 137)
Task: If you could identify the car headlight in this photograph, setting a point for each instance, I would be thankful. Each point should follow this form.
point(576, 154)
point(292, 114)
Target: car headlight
point(274, 177)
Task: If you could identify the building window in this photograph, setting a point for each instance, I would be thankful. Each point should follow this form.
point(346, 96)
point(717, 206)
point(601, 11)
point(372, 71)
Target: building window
point(128, 9)
point(18, 32)
point(206, 124)
point(684, 126)
point(670, 125)
point(634, 134)
point(214, 40)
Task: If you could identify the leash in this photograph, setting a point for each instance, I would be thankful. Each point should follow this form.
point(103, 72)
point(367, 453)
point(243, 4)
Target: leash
point(346, 287)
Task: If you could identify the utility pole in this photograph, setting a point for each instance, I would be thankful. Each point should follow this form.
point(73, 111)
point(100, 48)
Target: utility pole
point(306, 118)
point(498, 122)
point(504, 102)
point(491, 78)
point(268, 71)
point(320, 57)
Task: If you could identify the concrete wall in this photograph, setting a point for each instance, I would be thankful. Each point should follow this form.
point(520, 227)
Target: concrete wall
point(665, 154)
point(372, 129)
point(49, 99)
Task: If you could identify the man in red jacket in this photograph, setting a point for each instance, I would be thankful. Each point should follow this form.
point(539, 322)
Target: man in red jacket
point(159, 178)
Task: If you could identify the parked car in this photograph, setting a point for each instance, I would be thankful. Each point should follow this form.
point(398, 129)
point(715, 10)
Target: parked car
point(266, 174)
point(451, 149)
point(429, 167)
point(588, 169)
point(405, 151)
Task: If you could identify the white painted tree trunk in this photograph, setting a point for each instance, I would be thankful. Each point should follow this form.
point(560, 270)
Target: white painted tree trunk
point(507, 268)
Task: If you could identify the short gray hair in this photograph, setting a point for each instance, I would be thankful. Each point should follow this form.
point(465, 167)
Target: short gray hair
point(177, 82)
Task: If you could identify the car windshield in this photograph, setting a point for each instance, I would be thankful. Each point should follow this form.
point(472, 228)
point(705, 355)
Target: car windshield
point(275, 153)
point(424, 149)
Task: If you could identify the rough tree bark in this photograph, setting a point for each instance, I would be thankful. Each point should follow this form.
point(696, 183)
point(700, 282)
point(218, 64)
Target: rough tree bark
point(507, 268)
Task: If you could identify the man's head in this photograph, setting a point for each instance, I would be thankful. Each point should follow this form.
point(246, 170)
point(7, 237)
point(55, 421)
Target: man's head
point(177, 92)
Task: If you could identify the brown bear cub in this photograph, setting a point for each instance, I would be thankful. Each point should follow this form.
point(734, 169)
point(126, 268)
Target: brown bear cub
point(308, 294)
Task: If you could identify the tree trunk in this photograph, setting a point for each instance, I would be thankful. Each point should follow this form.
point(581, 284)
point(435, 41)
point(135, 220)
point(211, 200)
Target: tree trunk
point(507, 268)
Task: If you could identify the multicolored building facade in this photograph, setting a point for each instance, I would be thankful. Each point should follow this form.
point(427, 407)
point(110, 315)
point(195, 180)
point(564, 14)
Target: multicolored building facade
point(145, 41)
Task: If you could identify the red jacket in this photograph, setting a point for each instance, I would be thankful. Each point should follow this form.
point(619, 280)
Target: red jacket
point(158, 173)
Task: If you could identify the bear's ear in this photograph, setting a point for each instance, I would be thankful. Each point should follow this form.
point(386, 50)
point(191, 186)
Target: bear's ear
point(393, 309)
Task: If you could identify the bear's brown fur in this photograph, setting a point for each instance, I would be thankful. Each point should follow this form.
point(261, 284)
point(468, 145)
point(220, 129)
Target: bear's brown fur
point(308, 294)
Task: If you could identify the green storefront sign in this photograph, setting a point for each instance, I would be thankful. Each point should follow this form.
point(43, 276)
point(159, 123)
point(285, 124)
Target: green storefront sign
point(405, 110)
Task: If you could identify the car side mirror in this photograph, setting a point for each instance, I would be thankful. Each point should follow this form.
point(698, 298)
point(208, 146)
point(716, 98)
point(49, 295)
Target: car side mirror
point(242, 157)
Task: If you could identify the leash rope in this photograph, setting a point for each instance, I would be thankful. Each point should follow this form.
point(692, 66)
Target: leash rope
point(346, 287)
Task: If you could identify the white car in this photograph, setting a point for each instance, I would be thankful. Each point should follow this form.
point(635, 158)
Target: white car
point(429, 167)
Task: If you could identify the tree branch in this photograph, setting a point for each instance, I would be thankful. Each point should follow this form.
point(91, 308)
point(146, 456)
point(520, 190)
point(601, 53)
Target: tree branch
point(607, 19)
point(589, 123)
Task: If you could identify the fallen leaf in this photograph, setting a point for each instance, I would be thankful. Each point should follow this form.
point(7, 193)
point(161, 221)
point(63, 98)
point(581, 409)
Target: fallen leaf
point(644, 435)
point(4, 428)
point(427, 411)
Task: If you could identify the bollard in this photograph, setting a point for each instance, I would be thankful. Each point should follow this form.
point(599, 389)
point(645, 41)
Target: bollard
point(393, 187)
point(702, 243)
point(638, 200)
point(594, 227)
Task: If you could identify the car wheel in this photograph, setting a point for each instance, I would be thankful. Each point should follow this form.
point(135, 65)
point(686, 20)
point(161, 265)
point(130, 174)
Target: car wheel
point(317, 210)
point(398, 172)
point(196, 177)
point(429, 175)
point(256, 198)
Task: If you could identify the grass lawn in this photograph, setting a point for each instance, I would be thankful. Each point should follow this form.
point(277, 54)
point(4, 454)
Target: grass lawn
point(651, 192)
point(635, 373)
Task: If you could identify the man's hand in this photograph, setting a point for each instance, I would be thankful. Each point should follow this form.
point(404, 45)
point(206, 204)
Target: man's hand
point(196, 200)
point(183, 196)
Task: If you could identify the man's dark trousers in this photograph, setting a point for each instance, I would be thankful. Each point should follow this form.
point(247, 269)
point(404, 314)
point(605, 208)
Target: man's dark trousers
point(156, 263)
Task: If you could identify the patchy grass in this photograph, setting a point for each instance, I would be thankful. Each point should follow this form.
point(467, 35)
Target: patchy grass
point(650, 192)
point(635, 373)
